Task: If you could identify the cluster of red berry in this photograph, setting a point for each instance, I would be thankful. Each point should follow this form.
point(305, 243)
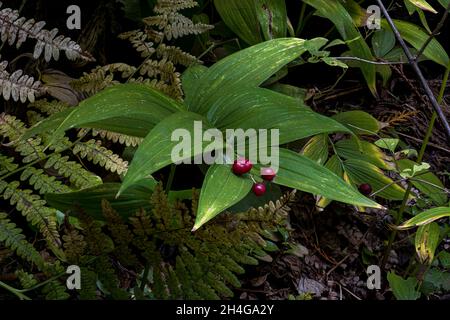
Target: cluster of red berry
point(243, 166)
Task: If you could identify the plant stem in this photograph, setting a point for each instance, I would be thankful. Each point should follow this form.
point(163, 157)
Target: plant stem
point(426, 140)
point(20, 295)
point(171, 177)
point(301, 20)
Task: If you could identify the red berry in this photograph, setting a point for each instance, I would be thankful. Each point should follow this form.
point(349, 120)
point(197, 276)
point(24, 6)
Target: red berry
point(268, 174)
point(259, 189)
point(365, 189)
point(242, 166)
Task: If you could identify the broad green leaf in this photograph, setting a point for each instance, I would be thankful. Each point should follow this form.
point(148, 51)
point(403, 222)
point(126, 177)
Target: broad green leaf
point(155, 151)
point(300, 94)
point(334, 165)
point(383, 41)
point(361, 172)
point(254, 20)
point(90, 199)
point(317, 149)
point(190, 77)
point(221, 189)
point(428, 183)
point(415, 170)
point(249, 67)
point(426, 242)
point(257, 108)
point(272, 17)
point(240, 16)
point(299, 172)
point(422, 4)
point(335, 11)
point(388, 144)
point(134, 104)
point(416, 36)
point(363, 150)
point(359, 122)
point(444, 3)
point(403, 289)
point(426, 217)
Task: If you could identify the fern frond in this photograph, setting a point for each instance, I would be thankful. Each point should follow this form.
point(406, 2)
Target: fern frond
point(93, 151)
point(26, 280)
point(34, 209)
point(49, 107)
point(175, 55)
point(18, 85)
point(74, 246)
point(16, 29)
point(121, 235)
point(139, 41)
point(42, 182)
point(13, 129)
point(115, 137)
point(169, 6)
point(13, 238)
point(55, 290)
point(7, 165)
point(80, 177)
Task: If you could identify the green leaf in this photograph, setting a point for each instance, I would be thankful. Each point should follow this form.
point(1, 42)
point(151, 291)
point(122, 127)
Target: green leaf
point(272, 17)
point(254, 108)
point(361, 172)
point(336, 12)
point(317, 149)
point(155, 151)
point(415, 170)
point(136, 105)
point(299, 172)
point(190, 77)
point(426, 242)
point(359, 122)
point(422, 4)
point(444, 3)
point(388, 144)
point(240, 16)
point(90, 199)
point(221, 189)
point(426, 217)
point(383, 41)
point(416, 36)
point(444, 258)
point(334, 165)
point(362, 150)
point(427, 183)
point(254, 20)
point(249, 67)
point(403, 289)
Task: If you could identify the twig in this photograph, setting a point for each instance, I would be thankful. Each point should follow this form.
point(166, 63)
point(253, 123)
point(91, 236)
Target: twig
point(370, 61)
point(417, 70)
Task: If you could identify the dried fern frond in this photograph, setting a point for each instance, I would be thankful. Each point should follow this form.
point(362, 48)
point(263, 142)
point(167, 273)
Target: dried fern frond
point(169, 6)
point(174, 25)
point(102, 77)
point(16, 29)
point(139, 41)
point(115, 137)
point(18, 86)
point(175, 55)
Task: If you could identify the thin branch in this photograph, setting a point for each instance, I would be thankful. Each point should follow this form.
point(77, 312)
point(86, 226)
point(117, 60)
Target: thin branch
point(369, 61)
point(417, 70)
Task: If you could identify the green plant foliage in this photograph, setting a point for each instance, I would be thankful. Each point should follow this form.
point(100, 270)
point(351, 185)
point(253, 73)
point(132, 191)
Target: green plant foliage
point(155, 152)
